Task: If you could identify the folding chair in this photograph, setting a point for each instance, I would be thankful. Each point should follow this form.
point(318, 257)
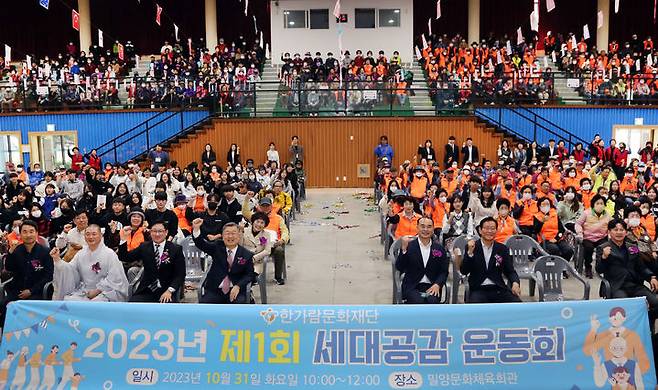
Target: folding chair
point(523, 250)
point(549, 271)
point(458, 243)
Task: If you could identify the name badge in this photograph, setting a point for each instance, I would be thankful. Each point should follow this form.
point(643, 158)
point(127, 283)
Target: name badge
point(158, 159)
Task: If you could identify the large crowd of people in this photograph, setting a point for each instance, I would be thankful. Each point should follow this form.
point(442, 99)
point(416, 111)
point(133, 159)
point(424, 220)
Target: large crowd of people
point(492, 71)
point(90, 227)
point(618, 74)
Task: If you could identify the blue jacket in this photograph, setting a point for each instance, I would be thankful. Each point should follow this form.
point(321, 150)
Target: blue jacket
point(35, 177)
point(384, 151)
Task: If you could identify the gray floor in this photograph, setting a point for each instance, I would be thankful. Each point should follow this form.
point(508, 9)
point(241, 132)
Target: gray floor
point(327, 265)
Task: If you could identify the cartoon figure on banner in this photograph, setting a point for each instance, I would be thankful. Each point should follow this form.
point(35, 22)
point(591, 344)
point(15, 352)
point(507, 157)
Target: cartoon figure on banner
point(49, 369)
point(35, 365)
point(68, 358)
point(75, 381)
point(624, 358)
point(4, 369)
point(19, 376)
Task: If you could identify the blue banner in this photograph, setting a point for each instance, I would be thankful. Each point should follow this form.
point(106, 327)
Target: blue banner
point(561, 345)
point(44, 3)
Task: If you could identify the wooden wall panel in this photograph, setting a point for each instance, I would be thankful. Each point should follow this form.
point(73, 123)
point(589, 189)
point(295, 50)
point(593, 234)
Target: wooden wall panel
point(334, 147)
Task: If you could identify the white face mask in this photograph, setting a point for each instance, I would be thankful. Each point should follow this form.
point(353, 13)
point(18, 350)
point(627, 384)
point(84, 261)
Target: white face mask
point(586, 187)
point(201, 192)
point(572, 174)
point(545, 209)
point(419, 174)
point(503, 213)
point(36, 214)
point(569, 196)
point(527, 196)
point(634, 222)
point(181, 207)
point(442, 199)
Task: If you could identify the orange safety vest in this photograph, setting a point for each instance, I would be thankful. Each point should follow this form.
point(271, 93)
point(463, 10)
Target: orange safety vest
point(509, 195)
point(505, 229)
point(587, 198)
point(437, 212)
point(525, 181)
point(450, 186)
point(550, 228)
point(628, 185)
point(183, 223)
point(135, 239)
point(418, 187)
point(528, 213)
point(406, 226)
point(198, 205)
point(275, 224)
point(649, 223)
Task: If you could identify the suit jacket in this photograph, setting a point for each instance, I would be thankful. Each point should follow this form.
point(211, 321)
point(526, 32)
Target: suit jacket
point(451, 151)
point(474, 155)
point(622, 268)
point(423, 153)
point(411, 264)
point(241, 272)
point(476, 269)
point(170, 274)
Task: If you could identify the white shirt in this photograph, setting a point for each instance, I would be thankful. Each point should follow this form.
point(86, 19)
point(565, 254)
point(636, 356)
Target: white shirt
point(158, 249)
point(470, 153)
point(487, 257)
point(425, 252)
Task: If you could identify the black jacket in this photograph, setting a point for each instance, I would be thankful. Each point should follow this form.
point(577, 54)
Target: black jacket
point(423, 153)
point(411, 264)
point(475, 154)
point(451, 154)
point(208, 158)
point(623, 267)
point(167, 216)
point(30, 270)
point(241, 272)
point(170, 273)
point(499, 264)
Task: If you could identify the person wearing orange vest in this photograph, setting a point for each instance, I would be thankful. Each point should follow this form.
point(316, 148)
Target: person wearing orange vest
point(647, 218)
point(628, 186)
point(436, 208)
point(419, 184)
point(549, 230)
point(507, 226)
point(449, 183)
point(524, 211)
point(406, 221)
point(180, 210)
point(586, 192)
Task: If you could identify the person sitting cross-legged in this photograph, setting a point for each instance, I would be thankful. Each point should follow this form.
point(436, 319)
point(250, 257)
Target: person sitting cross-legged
point(164, 265)
point(485, 262)
point(424, 264)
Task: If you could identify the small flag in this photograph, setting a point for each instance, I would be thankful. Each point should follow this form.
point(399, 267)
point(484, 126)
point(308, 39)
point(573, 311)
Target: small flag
point(429, 26)
point(337, 9)
point(519, 36)
point(176, 32)
point(550, 5)
point(44, 3)
point(649, 60)
point(534, 21)
point(438, 9)
point(17, 334)
point(246, 5)
point(585, 32)
point(573, 41)
point(637, 65)
point(255, 26)
point(28, 59)
point(26, 332)
point(422, 36)
point(499, 57)
point(599, 19)
point(100, 37)
point(7, 55)
point(418, 55)
point(158, 12)
point(616, 6)
point(75, 18)
point(508, 47)
point(8, 336)
point(35, 328)
point(262, 44)
point(121, 52)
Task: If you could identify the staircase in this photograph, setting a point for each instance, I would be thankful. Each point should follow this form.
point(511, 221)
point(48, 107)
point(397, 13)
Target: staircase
point(141, 70)
point(420, 101)
point(267, 93)
point(570, 96)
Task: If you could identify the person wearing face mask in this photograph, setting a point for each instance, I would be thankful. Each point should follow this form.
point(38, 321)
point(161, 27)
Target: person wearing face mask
point(586, 192)
point(638, 234)
point(213, 218)
point(647, 219)
point(437, 207)
point(180, 209)
point(419, 184)
point(569, 208)
point(591, 227)
point(620, 159)
point(549, 230)
point(525, 210)
point(507, 226)
point(43, 224)
point(571, 179)
point(229, 205)
point(506, 191)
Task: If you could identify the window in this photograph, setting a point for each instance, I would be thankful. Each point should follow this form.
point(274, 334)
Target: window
point(294, 19)
point(364, 18)
point(10, 148)
point(51, 148)
point(319, 19)
point(389, 18)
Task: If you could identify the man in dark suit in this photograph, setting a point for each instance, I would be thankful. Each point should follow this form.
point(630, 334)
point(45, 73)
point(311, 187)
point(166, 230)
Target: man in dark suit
point(29, 265)
point(470, 152)
point(164, 265)
point(451, 153)
point(619, 262)
point(424, 264)
point(232, 267)
point(485, 262)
